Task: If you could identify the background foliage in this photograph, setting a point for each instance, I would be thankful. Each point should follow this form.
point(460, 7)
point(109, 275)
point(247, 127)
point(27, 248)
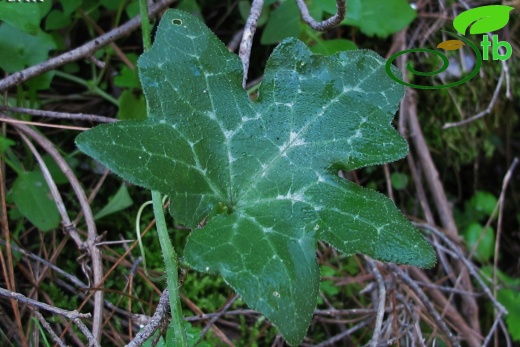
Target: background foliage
point(472, 161)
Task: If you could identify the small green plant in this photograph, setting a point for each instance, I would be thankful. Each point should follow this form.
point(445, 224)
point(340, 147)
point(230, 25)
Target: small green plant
point(508, 295)
point(257, 181)
point(476, 211)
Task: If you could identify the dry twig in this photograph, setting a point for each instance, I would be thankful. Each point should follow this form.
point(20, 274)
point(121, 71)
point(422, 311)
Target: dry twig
point(326, 24)
point(90, 243)
point(443, 207)
point(157, 320)
point(381, 303)
point(426, 302)
point(247, 38)
point(488, 109)
point(219, 314)
point(7, 266)
point(47, 327)
point(62, 115)
point(71, 315)
point(6, 119)
point(252, 21)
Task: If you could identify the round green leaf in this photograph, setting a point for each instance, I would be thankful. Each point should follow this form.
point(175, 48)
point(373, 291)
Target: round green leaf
point(484, 202)
point(31, 195)
point(57, 20)
point(484, 240)
point(399, 180)
point(510, 298)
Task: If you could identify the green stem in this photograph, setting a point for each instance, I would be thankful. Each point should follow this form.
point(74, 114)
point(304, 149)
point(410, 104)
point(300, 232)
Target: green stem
point(91, 86)
point(170, 257)
point(145, 25)
point(171, 263)
point(13, 166)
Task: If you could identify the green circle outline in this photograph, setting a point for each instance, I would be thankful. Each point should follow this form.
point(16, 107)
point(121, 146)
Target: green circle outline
point(410, 68)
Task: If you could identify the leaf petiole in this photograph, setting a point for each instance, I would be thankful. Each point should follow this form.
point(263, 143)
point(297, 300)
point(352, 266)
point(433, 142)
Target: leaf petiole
point(171, 264)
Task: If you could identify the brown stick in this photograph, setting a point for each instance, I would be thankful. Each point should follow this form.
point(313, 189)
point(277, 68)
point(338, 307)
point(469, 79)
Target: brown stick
point(7, 266)
point(409, 117)
point(425, 301)
point(431, 174)
point(341, 12)
point(62, 115)
point(90, 243)
point(247, 38)
point(452, 314)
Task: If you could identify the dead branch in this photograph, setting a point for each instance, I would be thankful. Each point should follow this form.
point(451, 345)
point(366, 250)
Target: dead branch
point(90, 243)
point(62, 115)
point(247, 38)
point(71, 315)
point(326, 24)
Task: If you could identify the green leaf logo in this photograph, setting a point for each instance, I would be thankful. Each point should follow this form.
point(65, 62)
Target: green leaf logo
point(485, 18)
point(263, 175)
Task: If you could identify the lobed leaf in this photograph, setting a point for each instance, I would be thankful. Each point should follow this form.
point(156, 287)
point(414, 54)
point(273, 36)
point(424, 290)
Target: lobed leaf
point(263, 174)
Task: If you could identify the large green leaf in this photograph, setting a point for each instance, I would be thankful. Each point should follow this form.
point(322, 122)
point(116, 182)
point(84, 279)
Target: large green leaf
point(263, 174)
